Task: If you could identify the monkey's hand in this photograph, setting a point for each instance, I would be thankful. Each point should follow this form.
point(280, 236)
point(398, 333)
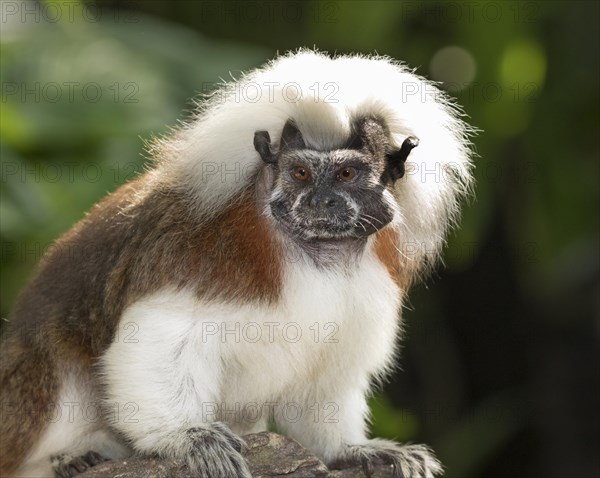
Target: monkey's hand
point(67, 466)
point(214, 451)
point(409, 461)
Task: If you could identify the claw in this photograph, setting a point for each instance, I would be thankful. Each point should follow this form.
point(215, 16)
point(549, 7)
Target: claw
point(367, 466)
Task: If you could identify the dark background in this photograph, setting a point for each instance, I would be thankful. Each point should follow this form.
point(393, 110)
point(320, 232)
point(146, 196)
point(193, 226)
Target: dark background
point(500, 362)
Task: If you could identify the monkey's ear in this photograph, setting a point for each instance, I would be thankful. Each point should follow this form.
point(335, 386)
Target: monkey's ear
point(262, 144)
point(291, 137)
point(397, 158)
point(369, 133)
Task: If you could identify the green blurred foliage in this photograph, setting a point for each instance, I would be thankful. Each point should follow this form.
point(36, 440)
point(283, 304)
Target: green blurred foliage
point(83, 92)
point(79, 99)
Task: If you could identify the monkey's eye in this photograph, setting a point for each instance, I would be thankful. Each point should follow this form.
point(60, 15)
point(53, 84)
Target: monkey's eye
point(347, 174)
point(300, 173)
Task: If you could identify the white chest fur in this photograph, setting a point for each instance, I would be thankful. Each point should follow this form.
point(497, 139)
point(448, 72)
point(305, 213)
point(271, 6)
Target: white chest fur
point(326, 323)
point(187, 358)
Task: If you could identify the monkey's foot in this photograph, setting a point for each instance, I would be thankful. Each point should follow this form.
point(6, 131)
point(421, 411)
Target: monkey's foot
point(408, 461)
point(214, 451)
point(67, 466)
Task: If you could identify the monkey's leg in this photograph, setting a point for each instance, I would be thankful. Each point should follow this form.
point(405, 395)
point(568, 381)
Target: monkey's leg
point(48, 410)
point(338, 433)
point(170, 380)
point(28, 389)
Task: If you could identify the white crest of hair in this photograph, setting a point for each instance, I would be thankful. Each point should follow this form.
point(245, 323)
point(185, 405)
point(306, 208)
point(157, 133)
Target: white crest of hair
point(213, 155)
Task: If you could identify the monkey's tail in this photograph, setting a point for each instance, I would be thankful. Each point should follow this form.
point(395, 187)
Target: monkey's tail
point(28, 388)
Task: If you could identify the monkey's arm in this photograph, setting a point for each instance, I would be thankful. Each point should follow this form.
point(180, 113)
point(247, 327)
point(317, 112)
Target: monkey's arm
point(333, 422)
point(159, 373)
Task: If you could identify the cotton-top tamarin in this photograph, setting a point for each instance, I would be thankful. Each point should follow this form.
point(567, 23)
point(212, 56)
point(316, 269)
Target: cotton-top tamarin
point(253, 275)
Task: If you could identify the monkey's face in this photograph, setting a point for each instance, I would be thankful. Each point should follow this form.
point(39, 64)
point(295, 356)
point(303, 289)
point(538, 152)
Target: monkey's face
point(328, 195)
point(338, 194)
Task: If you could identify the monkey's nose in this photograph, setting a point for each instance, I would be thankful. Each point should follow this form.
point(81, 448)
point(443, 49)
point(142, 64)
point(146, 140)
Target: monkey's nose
point(322, 201)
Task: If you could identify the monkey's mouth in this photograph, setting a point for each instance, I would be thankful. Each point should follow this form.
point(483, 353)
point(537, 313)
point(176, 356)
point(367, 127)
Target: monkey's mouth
point(314, 228)
point(324, 228)
point(307, 225)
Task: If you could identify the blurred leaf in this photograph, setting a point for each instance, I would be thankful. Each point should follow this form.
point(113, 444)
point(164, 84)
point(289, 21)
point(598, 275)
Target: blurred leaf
point(389, 422)
point(77, 97)
point(487, 428)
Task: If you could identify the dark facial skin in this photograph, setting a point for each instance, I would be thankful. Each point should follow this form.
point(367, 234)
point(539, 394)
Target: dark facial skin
point(328, 195)
point(334, 195)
